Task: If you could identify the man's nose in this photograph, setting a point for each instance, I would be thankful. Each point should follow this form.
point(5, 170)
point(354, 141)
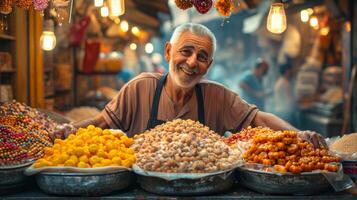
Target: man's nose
point(192, 61)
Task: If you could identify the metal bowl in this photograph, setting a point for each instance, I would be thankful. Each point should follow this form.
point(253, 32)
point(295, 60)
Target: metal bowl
point(84, 184)
point(350, 168)
point(272, 183)
point(12, 177)
point(205, 185)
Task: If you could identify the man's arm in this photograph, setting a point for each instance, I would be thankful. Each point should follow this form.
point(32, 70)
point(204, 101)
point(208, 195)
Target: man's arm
point(97, 121)
point(275, 123)
point(271, 121)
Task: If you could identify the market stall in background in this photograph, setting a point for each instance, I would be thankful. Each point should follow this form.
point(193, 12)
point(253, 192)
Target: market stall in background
point(62, 61)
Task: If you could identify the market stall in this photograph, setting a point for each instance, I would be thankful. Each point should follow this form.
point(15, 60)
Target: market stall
point(75, 123)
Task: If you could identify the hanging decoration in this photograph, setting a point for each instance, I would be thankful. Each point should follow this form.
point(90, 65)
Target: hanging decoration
point(202, 6)
point(5, 7)
point(184, 4)
point(224, 7)
point(25, 4)
point(276, 21)
point(40, 5)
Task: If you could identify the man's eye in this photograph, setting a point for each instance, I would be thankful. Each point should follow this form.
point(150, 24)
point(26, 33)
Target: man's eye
point(185, 52)
point(202, 58)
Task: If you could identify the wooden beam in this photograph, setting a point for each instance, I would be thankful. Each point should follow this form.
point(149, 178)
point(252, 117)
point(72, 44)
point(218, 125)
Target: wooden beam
point(36, 61)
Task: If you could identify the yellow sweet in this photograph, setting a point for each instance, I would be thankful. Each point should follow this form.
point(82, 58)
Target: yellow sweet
point(89, 148)
point(83, 165)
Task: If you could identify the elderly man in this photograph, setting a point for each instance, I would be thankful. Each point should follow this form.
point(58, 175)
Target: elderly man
point(151, 99)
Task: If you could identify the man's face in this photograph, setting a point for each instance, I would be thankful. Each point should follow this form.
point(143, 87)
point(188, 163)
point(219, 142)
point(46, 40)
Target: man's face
point(189, 59)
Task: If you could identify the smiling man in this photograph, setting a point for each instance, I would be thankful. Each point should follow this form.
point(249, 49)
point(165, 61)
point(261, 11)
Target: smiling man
point(151, 99)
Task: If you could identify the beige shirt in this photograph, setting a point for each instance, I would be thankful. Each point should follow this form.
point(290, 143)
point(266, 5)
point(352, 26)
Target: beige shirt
point(130, 109)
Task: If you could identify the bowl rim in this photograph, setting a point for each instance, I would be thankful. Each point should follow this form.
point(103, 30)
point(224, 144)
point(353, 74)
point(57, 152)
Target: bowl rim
point(9, 167)
point(118, 171)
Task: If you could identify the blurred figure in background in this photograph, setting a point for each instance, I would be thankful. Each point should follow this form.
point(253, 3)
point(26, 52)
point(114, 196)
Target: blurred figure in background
point(124, 76)
point(283, 94)
point(251, 84)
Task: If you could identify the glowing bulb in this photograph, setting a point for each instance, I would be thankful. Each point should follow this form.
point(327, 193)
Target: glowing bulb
point(314, 22)
point(104, 11)
point(304, 16)
point(133, 46)
point(135, 30)
point(98, 3)
point(117, 7)
point(48, 40)
point(149, 48)
point(310, 11)
point(324, 31)
point(276, 22)
point(124, 26)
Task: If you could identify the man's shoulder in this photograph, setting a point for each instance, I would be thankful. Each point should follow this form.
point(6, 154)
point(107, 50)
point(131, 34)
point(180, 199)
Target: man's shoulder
point(213, 86)
point(145, 77)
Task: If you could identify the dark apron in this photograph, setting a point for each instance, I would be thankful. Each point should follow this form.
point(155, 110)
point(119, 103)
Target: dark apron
point(153, 121)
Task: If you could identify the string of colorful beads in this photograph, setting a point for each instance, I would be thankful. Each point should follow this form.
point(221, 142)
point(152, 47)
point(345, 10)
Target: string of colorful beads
point(21, 140)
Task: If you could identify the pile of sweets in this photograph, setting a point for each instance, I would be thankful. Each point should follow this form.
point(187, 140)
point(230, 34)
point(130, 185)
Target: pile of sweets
point(22, 140)
point(183, 146)
point(21, 109)
point(90, 147)
point(287, 152)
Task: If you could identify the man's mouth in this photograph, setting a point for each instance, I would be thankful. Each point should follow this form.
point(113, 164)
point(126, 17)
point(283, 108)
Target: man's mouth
point(187, 71)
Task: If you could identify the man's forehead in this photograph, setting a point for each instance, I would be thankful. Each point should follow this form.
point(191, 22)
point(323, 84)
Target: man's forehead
point(190, 39)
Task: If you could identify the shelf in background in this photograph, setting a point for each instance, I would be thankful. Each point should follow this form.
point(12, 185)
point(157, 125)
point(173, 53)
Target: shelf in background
point(97, 73)
point(8, 71)
point(6, 37)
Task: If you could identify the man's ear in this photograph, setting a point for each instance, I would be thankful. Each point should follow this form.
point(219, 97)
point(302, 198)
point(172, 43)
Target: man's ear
point(167, 51)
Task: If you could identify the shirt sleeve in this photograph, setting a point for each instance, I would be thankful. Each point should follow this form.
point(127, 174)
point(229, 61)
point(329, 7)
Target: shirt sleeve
point(117, 113)
point(237, 113)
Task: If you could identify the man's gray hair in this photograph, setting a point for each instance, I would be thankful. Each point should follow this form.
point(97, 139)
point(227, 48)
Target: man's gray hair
point(196, 29)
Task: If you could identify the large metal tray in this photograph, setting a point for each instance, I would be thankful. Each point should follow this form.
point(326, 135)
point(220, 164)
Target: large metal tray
point(12, 177)
point(206, 185)
point(84, 184)
point(272, 183)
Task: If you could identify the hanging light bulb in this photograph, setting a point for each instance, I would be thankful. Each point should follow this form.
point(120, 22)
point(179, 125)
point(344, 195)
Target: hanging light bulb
point(135, 30)
point(133, 46)
point(98, 3)
point(314, 22)
point(48, 40)
point(304, 16)
point(310, 11)
point(104, 11)
point(117, 7)
point(276, 22)
point(149, 48)
point(124, 26)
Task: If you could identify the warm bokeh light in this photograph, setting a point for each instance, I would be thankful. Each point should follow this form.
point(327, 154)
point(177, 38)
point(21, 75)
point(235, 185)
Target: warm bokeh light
point(276, 22)
point(48, 40)
point(347, 26)
point(104, 11)
point(304, 16)
point(98, 3)
point(116, 20)
point(117, 7)
point(324, 31)
point(135, 30)
point(314, 22)
point(149, 48)
point(310, 11)
point(133, 46)
point(124, 26)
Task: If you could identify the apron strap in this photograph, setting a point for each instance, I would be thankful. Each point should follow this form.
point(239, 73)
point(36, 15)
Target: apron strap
point(155, 103)
point(200, 104)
